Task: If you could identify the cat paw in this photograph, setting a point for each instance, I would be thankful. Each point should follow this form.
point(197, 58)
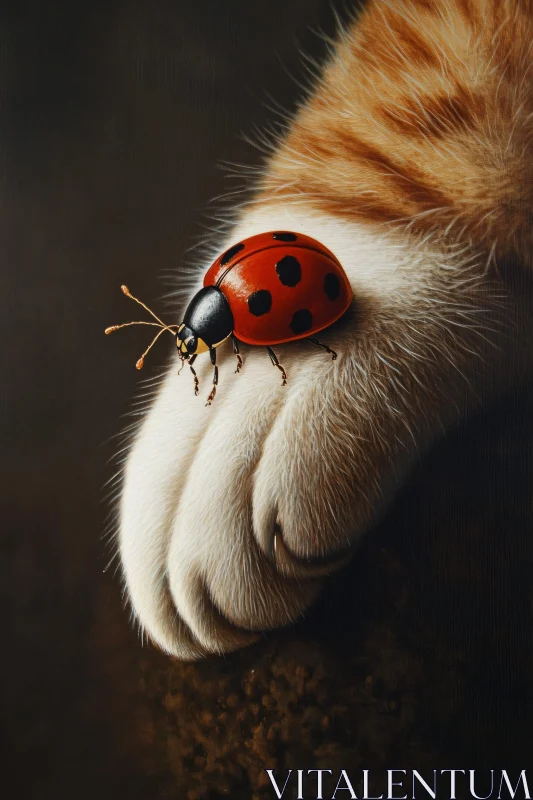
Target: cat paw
point(232, 514)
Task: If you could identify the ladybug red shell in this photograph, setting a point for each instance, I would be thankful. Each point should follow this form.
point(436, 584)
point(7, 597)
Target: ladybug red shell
point(281, 286)
point(269, 289)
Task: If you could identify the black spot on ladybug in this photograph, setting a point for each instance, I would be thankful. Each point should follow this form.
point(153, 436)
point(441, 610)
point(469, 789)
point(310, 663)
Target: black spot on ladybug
point(260, 302)
point(228, 255)
point(284, 237)
point(332, 286)
point(302, 321)
point(289, 271)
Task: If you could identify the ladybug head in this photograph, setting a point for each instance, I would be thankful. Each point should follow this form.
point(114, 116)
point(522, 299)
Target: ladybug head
point(188, 343)
point(207, 323)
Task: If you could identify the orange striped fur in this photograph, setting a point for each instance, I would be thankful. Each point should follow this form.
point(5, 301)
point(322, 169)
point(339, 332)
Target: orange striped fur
point(425, 115)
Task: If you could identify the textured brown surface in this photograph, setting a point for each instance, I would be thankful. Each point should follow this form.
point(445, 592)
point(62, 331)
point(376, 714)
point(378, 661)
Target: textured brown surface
point(419, 655)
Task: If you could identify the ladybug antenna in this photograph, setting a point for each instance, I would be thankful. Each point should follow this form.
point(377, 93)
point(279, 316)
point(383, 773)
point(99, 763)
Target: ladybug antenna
point(159, 324)
point(140, 363)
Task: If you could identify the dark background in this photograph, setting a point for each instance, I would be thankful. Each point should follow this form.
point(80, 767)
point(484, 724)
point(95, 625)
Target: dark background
point(114, 117)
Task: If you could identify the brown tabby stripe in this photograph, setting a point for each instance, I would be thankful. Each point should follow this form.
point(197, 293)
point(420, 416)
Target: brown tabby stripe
point(444, 114)
point(415, 48)
point(407, 180)
point(466, 9)
point(324, 198)
point(401, 185)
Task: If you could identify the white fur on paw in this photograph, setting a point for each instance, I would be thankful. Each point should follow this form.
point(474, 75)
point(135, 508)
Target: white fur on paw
point(228, 511)
point(204, 566)
point(198, 578)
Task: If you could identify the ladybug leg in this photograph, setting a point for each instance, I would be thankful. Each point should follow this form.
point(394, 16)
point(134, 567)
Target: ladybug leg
point(212, 393)
point(196, 382)
point(276, 363)
point(326, 348)
point(237, 353)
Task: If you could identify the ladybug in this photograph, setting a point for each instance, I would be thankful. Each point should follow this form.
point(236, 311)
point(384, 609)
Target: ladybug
point(269, 289)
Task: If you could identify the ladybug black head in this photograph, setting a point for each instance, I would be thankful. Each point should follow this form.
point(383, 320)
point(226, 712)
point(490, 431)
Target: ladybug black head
point(186, 342)
point(207, 322)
